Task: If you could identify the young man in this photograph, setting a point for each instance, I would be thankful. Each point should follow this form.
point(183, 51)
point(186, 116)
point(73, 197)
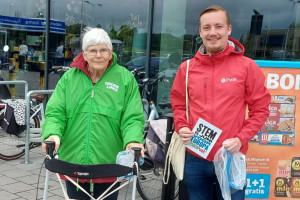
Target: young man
point(60, 54)
point(222, 83)
point(23, 50)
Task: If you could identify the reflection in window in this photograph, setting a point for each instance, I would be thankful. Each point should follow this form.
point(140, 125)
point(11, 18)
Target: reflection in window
point(269, 30)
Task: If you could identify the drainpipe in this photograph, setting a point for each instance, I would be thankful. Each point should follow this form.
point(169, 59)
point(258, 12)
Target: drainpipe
point(47, 43)
point(149, 34)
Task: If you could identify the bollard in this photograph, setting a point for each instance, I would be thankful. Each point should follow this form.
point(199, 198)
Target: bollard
point(169, 189)
point(16, 64)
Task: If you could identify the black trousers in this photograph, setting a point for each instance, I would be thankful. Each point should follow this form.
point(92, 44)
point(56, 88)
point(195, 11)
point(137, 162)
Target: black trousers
point(22, 61)
point(60, 61)
point(99, 188)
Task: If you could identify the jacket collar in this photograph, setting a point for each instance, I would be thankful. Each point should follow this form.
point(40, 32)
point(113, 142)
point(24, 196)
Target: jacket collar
point(233, 46)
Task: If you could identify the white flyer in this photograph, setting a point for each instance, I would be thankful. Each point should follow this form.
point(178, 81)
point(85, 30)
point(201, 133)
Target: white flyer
point(204, 138)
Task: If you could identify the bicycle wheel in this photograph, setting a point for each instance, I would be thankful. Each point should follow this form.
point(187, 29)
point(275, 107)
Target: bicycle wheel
point(12, 147)
point(150, 180)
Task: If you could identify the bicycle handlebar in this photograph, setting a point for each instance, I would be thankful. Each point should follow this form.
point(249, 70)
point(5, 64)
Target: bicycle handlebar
point(58, 68)
point(147, 81)
point(137, 69)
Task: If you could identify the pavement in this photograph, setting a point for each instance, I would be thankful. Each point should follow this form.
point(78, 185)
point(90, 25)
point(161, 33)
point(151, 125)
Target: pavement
point(20, 181)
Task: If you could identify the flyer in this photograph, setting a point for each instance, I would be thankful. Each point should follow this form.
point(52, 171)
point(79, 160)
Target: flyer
point(204, 138)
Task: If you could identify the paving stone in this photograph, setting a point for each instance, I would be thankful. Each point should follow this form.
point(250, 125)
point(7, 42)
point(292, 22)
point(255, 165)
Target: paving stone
point(8, 196)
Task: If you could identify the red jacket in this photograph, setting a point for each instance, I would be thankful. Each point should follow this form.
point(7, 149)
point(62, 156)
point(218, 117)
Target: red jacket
point(220, 88)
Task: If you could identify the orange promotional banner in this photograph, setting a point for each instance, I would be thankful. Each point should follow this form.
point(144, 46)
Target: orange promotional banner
point(273, 158)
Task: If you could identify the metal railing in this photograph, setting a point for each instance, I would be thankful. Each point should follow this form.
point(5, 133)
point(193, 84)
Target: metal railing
point(27, 140)
point(16, 82)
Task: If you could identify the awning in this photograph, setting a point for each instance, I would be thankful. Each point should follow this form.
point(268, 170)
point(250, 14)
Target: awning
point(31, 24)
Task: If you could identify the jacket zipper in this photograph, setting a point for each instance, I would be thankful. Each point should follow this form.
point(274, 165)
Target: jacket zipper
point(205, 91)
point(212, 92)
point(89, 128)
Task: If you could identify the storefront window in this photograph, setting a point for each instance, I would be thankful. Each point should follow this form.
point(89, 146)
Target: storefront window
point(269, 30)
point(125, 21)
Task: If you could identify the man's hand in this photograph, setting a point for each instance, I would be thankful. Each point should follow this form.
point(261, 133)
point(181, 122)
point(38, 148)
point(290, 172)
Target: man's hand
point(53, 138)
point(233, 145)
point(186, 134)
point(129, 145)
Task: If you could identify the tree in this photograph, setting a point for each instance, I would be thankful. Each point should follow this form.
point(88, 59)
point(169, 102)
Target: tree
point(126, 34)
point(112, 33)
point(74, 29)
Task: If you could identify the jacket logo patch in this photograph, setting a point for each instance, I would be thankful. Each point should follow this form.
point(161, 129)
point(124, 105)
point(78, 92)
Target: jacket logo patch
point(112, 86)
point(224, 80)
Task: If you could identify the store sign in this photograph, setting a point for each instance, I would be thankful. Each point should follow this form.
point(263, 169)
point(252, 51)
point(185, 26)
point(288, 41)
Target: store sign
point(29, 24)
point(273, 158)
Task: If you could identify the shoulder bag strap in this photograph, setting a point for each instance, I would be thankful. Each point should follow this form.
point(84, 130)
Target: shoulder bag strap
point(167, 165)
point(168, 160)
point(186, 90)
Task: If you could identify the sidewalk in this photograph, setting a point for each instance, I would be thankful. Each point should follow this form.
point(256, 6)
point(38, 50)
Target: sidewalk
point(20, 181)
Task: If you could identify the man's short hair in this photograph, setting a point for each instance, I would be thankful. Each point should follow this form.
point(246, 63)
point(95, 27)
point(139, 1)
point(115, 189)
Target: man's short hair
point(214, 8)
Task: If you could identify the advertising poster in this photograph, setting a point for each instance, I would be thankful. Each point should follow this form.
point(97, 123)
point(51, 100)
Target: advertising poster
point(273, 158)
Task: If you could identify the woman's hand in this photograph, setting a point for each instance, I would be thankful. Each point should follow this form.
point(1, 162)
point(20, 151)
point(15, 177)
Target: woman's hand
point(132, 144)
point(186, 135)
point(53, 138)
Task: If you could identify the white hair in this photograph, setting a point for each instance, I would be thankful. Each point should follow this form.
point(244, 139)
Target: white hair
point(94, 36)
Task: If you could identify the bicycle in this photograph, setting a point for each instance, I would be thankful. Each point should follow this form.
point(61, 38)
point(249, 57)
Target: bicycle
point(150, 178)
point(146, 87)
point(150, 185)
point(12, 146)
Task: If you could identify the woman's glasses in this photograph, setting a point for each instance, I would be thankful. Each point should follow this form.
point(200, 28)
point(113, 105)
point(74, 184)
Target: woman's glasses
point(94, 52)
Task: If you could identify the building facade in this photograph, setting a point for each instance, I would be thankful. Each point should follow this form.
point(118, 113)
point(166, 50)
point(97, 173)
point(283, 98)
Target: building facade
point(147, 32)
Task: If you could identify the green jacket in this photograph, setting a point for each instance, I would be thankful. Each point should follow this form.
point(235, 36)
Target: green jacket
point(94, 122)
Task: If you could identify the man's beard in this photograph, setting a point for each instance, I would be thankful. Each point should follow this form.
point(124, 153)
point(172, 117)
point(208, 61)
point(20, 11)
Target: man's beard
point(214, 49)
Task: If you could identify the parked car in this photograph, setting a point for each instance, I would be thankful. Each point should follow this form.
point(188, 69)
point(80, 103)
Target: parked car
point(186, 57)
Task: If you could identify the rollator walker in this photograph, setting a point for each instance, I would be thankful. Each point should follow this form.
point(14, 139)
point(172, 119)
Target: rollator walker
point(69, 170)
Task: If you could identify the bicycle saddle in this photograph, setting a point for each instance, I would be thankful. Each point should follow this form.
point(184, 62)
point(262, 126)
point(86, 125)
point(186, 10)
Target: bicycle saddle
point(39, 97)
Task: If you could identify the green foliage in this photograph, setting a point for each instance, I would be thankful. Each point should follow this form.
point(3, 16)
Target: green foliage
point(74, 28)
point(126, 34)
point(112, 33)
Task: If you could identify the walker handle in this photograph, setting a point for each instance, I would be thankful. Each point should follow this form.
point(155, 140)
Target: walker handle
point(50, 148)
point(137, 153)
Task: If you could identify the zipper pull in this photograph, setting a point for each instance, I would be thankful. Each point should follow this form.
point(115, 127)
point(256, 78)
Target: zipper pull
point(93, 92)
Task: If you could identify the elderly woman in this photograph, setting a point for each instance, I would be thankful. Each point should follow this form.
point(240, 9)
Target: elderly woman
point(95, 111)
